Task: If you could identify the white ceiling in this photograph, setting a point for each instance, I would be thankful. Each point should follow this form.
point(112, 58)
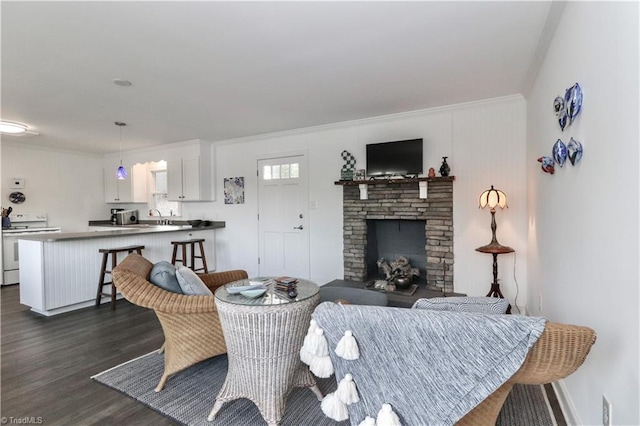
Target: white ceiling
point(223, 70)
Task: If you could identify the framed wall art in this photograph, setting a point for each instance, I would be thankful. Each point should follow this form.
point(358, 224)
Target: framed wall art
point(234, 190)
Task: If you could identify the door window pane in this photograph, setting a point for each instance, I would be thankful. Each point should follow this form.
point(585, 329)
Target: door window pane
point(281, 171)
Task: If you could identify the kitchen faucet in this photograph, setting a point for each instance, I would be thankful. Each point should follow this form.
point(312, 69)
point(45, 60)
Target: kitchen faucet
point(161, 221)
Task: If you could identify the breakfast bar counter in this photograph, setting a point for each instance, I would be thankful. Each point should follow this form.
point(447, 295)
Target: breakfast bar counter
point(59, 272)
point(121, 230)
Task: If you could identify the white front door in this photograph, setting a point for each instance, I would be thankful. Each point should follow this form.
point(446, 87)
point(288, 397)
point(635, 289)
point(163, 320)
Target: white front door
point(282, 217)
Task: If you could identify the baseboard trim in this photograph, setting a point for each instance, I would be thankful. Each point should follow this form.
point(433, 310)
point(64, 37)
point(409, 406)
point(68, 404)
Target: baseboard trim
point(566, 404)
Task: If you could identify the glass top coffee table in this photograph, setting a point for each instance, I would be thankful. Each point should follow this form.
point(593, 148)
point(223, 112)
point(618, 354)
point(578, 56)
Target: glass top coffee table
point(305, 290)
point(264, 336)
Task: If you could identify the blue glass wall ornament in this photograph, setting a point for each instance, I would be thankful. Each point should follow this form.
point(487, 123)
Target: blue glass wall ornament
point(573, 101)
point(574, 149)
point(562, 119)
point(558, 105)
point(547, 164)
point(559, 152)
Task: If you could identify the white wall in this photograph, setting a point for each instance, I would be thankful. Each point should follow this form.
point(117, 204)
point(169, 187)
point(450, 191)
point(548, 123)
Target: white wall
point(65, 185)
point(485, 145)
point(583, 220)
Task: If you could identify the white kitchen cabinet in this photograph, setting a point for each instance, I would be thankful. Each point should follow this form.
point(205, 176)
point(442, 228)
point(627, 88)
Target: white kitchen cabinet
point(133, 189)
point(116, 190)
point(190, 173)
point(139, 189)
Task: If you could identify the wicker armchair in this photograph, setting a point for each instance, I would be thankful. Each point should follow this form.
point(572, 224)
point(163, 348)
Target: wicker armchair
point(397, 367)
point(190, 323)
point(559, 351)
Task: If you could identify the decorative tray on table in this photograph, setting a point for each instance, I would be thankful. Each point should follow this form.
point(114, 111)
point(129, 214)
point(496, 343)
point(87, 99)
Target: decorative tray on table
point(246, 288)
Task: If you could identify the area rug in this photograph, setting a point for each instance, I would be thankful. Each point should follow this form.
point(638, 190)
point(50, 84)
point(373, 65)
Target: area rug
point(188, 397)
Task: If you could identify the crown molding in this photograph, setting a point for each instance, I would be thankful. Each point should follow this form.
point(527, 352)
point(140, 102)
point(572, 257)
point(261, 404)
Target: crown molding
point(373, 120)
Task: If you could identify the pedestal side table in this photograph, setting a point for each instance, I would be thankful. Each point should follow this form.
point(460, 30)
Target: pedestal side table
point(264, 337)
point(495, 249)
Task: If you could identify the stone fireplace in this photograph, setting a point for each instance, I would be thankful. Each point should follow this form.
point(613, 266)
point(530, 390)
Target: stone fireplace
point(399, 203)
point(389, 239)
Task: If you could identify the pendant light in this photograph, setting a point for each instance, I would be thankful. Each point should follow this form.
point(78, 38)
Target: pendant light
point(121, 173)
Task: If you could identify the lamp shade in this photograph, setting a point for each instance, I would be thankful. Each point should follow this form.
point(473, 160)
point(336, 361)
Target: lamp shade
point(493, 198)
point(121, 173)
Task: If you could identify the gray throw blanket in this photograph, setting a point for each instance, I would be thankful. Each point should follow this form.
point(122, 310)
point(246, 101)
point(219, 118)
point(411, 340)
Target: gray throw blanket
point(431, 366)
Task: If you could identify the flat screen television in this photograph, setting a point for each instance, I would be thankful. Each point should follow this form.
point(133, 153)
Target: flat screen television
point(394, 158)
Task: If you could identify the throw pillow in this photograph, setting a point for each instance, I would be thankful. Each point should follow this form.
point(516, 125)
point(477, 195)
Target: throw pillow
point(190, 283)
point(487, 305)
point(163, 274)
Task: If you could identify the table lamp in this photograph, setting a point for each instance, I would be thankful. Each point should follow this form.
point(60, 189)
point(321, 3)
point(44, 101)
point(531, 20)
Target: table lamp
point(494, 198)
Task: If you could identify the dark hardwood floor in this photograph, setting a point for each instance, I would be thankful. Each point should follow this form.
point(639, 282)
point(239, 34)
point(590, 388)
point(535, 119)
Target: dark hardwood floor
point(47, 363)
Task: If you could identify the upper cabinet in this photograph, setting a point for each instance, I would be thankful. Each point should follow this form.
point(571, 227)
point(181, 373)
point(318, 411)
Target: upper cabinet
point(116, 190)
point(139, 176)
point(133, 189)
point(190, 174)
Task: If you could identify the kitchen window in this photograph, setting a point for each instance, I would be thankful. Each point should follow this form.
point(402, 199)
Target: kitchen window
point(158, 201)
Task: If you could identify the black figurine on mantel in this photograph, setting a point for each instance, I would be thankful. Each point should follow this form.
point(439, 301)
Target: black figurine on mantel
point(444, 168)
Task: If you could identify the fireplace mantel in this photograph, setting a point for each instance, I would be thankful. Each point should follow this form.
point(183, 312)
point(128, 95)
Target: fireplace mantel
point(402, 199)
point(395, 181)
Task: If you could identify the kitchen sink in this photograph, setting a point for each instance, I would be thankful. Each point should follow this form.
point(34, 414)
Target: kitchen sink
point(153, 225)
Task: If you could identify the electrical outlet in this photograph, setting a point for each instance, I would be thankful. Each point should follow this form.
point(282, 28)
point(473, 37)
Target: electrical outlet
point(539, 302)
point(606, 412)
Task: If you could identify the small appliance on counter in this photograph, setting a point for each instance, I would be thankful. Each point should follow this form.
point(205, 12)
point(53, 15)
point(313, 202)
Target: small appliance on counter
point(6, 222)
point(127, 217)
point(114, 216)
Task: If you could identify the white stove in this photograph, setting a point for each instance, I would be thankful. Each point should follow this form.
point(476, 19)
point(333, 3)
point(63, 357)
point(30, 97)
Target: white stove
point(22, 224)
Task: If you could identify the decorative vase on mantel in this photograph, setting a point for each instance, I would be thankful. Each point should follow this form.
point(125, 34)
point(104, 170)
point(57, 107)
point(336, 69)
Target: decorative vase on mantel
point(444, 168)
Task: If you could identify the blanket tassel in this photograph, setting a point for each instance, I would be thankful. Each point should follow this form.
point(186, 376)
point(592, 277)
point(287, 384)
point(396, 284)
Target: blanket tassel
point(347, 347)
point(333, 408)
point(368, 421)
point(347, 391)
point(386, 417)
point(321, 366)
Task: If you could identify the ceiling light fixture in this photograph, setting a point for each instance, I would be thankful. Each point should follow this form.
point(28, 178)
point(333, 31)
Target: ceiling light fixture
point(121, 173)
point(121, 82)
point(12, 128)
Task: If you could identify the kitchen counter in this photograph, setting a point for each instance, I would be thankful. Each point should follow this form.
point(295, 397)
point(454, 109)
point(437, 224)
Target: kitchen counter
point(120, 231)
point(59, 272)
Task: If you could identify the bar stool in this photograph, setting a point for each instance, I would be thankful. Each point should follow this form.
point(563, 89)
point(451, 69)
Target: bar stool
point(193, 257)
point(103, 271)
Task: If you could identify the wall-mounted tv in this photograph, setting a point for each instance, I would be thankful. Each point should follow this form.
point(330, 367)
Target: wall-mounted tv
point(394, 158)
